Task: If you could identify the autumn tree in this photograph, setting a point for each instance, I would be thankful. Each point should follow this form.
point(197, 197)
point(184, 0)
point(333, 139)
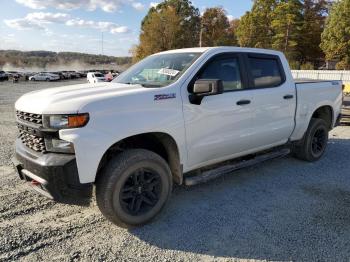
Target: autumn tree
point(171, 24)
point(232, 32)
point(160, 32)
point(286, 25)
point(215, 28)
point(336, 36)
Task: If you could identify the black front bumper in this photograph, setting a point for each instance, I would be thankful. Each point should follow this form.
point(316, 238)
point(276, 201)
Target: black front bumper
point(52, 175)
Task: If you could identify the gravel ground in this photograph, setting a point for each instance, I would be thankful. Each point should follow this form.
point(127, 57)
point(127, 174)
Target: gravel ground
point(281, 210)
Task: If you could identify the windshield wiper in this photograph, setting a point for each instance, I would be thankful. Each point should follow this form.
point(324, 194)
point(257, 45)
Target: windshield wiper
point(150, 85)
point(143, 85)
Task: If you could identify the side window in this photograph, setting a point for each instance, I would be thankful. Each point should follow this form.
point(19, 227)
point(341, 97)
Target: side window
point(265, 72)
point(225, 69)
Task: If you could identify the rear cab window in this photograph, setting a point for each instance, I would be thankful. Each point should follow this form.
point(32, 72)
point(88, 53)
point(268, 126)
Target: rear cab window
point(265, 71)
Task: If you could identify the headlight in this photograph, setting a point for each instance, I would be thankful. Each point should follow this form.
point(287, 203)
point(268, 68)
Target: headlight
point(59, 146)
point(65, 121)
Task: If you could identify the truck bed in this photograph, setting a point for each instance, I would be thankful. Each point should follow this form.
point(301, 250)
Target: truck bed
point(312, 94)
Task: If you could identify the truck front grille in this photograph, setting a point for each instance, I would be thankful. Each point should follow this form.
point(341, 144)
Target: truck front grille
point(32, 141)
point(29, 117)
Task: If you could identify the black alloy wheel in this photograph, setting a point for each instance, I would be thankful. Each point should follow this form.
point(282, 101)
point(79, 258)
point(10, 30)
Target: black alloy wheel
point(314, 143)
point(319, 141)
point(133, 187)
point(141, 192)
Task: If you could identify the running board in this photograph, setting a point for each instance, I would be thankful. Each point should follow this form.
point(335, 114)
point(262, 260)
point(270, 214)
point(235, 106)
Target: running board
point(223, 170)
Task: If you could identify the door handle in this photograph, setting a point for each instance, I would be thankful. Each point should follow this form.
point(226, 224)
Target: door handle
point(288, 97)
point(243, 102)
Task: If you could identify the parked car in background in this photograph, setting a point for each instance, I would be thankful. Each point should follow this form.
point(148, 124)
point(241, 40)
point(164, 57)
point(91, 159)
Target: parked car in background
point(66, 74)
point(82, 73)
point(44, 77)
point(26, 75)
point(95, 77)
point(60, 74)
point(109, 77)
point(74, 74)
point(3, 76)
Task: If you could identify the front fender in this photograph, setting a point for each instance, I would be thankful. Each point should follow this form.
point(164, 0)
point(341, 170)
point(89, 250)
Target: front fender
point(89, 146)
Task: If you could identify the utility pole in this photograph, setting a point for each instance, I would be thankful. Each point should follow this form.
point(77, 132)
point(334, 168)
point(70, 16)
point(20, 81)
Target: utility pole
point(102, 43)
point(200, 36)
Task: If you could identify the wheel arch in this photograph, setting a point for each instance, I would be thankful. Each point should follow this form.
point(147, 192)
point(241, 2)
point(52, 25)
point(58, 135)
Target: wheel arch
point(326, 113)
point(162, 144)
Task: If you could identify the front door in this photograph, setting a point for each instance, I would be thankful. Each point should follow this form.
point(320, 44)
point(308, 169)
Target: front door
point(220, 126)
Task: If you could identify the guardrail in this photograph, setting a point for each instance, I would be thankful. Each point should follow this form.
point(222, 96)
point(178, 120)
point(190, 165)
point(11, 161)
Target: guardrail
point(323, 75)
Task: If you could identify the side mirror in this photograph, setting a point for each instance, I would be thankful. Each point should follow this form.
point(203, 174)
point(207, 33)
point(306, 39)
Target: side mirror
point(205, 87)
point(208, 87)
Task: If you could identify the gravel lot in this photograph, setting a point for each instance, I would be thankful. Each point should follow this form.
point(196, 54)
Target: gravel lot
point(281, 210)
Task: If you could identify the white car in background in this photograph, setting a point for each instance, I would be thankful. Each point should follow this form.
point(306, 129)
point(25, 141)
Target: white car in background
point(95, 77)
point(44, 77)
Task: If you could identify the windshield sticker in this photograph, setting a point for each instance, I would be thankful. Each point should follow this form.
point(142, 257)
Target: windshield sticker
point(164, 97)
point(168, 72)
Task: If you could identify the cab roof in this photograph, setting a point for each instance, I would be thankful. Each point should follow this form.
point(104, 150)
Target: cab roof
point(223, 49)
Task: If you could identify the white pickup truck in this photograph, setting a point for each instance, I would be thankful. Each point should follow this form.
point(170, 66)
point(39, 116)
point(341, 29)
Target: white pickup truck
point(182, 116)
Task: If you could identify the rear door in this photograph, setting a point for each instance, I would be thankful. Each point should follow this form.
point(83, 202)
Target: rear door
point(220, 126)
point(274, 100)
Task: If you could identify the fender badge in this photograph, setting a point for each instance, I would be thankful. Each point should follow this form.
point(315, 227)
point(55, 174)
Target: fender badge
point(164, 97)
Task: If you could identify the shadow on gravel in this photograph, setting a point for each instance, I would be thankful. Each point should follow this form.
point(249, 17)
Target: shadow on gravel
point(282, 210)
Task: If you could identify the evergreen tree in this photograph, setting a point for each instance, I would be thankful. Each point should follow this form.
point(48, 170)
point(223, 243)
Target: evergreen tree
point(245, 31)
point(286, 24)
point(255, 28)
point(336, 36)
point(314, 16)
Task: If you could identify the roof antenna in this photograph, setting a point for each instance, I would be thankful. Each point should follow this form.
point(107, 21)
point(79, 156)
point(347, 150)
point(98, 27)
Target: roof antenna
point(102, 44)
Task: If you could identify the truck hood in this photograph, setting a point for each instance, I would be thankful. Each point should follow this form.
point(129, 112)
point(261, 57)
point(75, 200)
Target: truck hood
point(69, 99)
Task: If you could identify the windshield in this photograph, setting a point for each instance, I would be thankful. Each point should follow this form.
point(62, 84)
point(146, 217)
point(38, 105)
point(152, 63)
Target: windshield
point(98, 75)
point(158, 70)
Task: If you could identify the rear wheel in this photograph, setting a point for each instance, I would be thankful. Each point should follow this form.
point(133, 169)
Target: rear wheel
point(133, 187)
point(314, 143)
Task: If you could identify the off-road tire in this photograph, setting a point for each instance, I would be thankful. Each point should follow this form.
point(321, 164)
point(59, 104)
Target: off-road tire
point(117, 173)
point(304, 149)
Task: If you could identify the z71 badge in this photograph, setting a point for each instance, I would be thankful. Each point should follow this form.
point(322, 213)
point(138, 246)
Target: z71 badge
point(164, 97)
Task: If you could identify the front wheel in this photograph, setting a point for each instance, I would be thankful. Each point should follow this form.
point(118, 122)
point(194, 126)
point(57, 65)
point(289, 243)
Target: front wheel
point(133, 187)
point(314, 143)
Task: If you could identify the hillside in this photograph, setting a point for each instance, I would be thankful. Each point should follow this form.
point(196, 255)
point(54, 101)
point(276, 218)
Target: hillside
point(47, 59)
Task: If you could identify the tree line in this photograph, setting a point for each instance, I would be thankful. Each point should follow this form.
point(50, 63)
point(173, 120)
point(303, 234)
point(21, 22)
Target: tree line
point(44, 59)
point(307, 31)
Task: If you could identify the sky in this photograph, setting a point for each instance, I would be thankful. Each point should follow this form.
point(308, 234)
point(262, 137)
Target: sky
point(79, 25)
